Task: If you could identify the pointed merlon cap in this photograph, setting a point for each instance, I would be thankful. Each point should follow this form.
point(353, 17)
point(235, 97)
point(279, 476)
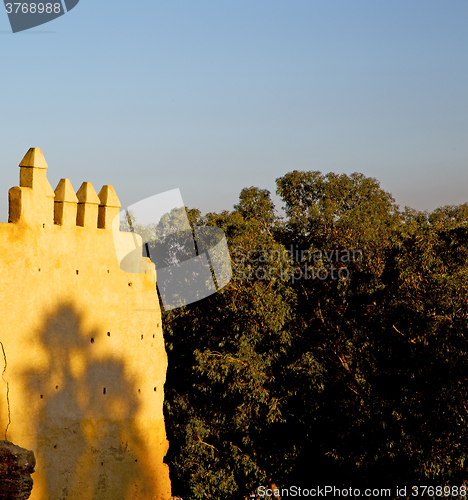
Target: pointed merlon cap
point(108, 197)
point(87, 194)
point(65, 192)
point(34, 158)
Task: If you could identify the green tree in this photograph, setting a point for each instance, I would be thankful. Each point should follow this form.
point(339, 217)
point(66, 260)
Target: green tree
point(427, 318)
point(223, 400)
point(295, 371)
point(341, 229)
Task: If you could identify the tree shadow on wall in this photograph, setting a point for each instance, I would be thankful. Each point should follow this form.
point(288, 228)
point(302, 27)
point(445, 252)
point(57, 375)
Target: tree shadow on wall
point(88, 445)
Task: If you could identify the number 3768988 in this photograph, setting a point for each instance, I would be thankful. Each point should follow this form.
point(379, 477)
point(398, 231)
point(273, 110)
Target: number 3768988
point(33, 8)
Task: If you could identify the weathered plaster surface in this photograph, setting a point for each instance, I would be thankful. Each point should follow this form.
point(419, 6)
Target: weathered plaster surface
point(82, 354)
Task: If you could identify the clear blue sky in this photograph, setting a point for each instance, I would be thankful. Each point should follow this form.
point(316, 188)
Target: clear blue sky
point(214, 96)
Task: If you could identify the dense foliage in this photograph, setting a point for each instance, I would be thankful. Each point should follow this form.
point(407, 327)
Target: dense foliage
point(337, 354)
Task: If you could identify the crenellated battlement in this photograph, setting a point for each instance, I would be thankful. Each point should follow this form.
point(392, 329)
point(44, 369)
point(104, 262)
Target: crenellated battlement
point(35, 202)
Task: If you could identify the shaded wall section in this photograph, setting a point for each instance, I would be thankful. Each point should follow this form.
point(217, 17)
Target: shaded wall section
point(81, 349)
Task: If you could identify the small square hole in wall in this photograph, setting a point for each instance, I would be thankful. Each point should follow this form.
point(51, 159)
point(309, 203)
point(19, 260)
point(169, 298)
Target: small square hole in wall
point(108, 271)
point(139, 391)
point(142, 337)
point(104, 390)
point(108, 334)
point(42, 396)
point(55, 446)
point(43, 225)
point(155, 389)
point(130, 284)
point(92, 340)
point(56, 387)
point(77, 272)
point(153, 335)
point(39, 269)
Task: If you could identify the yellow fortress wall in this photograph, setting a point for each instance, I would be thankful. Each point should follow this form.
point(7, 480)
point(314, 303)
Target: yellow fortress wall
point(81, 345)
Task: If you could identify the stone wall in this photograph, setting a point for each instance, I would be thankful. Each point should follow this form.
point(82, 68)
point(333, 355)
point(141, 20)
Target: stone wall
point(16, 467)
point(81, 343)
